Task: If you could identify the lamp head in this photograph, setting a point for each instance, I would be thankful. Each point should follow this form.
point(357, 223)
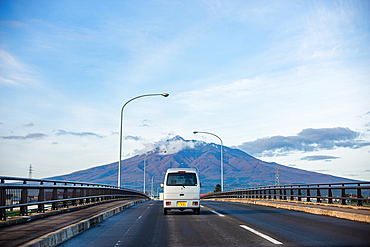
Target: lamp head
point(165, 94)
point(164, 151)
point(194, 132)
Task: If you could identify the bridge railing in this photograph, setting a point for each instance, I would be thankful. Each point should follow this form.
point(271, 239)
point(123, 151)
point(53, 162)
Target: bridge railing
point(22, 196)
point(328, 193)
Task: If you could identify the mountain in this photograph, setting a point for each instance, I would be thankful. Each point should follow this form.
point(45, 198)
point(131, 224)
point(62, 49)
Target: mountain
point(240, 169)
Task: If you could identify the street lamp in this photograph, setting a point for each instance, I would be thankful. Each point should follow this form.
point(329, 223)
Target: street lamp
point(120, 132)
point(145, 163)
point(222, 161)
point(152, 191)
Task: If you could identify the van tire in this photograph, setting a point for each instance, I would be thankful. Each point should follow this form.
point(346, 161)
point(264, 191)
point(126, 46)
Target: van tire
point(165, 211)
point(197, 211)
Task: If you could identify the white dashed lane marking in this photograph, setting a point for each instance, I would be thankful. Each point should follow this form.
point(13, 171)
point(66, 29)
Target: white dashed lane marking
point(217, 213)
point(274, 241)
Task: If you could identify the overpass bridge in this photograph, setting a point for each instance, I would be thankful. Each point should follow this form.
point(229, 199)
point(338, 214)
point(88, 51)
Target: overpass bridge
point(122, 217)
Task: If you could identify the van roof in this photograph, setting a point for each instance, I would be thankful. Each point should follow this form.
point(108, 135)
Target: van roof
point(170, 170)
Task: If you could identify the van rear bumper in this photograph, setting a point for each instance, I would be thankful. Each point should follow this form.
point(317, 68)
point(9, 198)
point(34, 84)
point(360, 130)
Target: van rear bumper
point(179, 204)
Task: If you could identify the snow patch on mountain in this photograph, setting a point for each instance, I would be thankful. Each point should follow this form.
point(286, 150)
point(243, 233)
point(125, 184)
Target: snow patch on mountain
point(171, 146)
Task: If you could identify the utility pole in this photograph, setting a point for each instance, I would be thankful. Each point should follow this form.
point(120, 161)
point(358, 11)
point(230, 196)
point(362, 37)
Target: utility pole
point(277, 182)
point(30, 171)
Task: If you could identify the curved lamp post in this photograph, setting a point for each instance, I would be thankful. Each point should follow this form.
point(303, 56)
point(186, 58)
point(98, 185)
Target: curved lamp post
point(145, 164)
point(222, 160)
point(120, 132)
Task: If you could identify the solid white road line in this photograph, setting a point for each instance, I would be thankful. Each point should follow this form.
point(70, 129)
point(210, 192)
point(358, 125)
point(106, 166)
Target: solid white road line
point(261, 235)
point(217, 213)
point(214, 212)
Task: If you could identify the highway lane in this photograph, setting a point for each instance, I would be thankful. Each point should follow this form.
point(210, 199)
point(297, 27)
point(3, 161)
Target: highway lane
point(297, 228)
point(222, 224)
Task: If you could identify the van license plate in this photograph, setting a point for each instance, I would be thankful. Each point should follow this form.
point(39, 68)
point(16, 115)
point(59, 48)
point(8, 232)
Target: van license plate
point(181, 204)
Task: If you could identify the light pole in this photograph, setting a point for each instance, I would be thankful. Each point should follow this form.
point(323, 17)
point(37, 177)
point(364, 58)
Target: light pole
point(222, 160)
point(120, 132)
point(152, 191)
point(145, 164)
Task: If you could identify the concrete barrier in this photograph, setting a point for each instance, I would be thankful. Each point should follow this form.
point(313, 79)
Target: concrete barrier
point(312, 210)
point(63, 234)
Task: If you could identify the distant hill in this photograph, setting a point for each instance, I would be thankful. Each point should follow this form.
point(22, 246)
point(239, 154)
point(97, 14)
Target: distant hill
point(240, 169)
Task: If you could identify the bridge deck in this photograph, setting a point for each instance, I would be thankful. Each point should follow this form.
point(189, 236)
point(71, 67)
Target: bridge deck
point(19, 234)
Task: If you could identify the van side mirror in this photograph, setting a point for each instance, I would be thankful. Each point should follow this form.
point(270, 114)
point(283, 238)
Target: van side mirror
point(200, 184)
point(162, 185)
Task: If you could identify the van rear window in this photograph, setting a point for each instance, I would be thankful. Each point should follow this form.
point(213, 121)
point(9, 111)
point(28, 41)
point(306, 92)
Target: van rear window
point(181, 179)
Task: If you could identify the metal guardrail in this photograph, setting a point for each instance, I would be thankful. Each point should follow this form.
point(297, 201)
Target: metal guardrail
point(27, 195)
point(328, 192)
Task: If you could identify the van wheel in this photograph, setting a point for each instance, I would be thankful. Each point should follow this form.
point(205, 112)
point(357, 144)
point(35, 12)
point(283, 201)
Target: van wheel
point(165, 211)
point(197, 211)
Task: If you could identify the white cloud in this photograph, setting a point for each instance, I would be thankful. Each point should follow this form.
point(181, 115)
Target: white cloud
point(132, 138)
point(30, 124)
point(13, 71)
point(14, 24)
point(221, 96)
point(147, 123)
point(319, 158)
point(35, 136)
point(81, 134)
point(171, 146)
point(308, 140)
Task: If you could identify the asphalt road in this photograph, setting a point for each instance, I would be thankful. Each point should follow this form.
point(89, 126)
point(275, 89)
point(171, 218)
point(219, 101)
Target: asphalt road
point(222, 224)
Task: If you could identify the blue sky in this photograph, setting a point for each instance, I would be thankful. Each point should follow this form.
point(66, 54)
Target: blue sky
point(285, 81)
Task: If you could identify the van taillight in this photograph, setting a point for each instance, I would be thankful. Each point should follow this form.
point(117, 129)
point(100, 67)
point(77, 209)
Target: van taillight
point(182, 171)
point(195, 203)
point(168, 203)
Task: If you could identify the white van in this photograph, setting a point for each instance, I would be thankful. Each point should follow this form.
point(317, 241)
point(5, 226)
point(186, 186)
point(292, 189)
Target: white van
point(181, 190)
